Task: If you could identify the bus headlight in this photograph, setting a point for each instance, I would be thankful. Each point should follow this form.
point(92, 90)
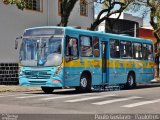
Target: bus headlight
point(58, 70)
point(21, 72)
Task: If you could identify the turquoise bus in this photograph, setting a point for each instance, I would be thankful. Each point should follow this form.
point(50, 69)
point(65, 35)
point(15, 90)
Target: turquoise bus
point(57, 57)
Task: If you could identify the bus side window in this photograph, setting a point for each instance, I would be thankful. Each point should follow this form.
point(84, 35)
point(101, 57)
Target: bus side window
point(150, 52)
point(114, 49)
point(86, 46)
point(96, 51)
point(72, 48)
point(137, 50)
point(145, 52)
point(126, 49)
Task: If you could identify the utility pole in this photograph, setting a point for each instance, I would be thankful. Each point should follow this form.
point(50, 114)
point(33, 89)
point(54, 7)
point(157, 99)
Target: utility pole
point(135, 30)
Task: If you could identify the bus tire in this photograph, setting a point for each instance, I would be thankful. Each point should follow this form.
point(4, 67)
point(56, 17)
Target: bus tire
point(47, 90)
point(131, 81)
point(85, 83)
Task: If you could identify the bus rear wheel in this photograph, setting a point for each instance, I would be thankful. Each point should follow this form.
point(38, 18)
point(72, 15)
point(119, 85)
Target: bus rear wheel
point(131, 81)
point(85, 83)
point(47, 90)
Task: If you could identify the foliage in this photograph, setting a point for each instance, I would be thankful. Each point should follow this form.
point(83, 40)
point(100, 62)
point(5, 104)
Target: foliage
point(152, 7)
point(21, 4)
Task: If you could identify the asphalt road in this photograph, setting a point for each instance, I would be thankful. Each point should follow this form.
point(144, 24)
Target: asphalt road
point(67, 104)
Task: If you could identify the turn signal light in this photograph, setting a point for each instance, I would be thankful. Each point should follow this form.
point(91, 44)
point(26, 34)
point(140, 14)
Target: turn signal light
point(56, 81)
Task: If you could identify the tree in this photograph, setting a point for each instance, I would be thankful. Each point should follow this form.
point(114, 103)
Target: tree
point(111, 7)
point(66, 9)
point(21, 4)
point(152, 7)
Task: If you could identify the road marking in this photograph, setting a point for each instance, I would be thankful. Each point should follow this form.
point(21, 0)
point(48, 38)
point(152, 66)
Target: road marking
point(58, 97)
point(116, 100)
point(31, 96)
point(141, 103)
point(11, 95)
point(65, 96)
point(89, 98)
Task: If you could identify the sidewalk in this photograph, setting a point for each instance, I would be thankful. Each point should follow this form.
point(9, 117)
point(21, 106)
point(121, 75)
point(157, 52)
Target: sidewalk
point(16, 88)
point(155, 80)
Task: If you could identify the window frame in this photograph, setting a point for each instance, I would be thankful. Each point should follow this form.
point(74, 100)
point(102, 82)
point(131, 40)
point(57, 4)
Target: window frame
point(40, 7)
point(59, 7)
point(93, 47)
point(110, 48)
point(91, 42)
point(86, 6)
point(134, 51)
point(120, 49)
point(66, 42)
point(147, 53)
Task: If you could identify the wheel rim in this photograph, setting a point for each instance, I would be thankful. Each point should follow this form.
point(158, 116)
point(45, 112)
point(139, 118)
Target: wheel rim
point(84, 82)
point(130, 80)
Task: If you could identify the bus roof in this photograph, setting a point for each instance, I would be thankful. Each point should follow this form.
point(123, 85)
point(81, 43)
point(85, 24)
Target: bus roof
point(102, 34)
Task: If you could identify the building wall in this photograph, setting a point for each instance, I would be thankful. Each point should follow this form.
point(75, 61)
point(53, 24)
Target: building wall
point(147, 33)
point(12, 24)
point(75, 18)
point(133, 18)
point(124, 16)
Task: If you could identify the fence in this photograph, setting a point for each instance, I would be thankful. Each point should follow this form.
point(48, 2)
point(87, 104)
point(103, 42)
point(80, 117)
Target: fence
point(9, 73)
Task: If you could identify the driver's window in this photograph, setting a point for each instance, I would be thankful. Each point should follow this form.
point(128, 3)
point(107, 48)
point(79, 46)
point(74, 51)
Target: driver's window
point(72, 47)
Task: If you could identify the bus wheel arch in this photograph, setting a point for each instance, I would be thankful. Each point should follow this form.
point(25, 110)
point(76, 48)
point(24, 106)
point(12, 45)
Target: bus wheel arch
point(85, 82)
point(131, 80)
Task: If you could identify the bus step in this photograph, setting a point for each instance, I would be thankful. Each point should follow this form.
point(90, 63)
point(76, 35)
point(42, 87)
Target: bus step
point(106, 88)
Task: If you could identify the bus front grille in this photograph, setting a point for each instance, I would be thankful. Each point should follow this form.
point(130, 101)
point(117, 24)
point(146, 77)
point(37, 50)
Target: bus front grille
point(45, 74)
point(37, 82)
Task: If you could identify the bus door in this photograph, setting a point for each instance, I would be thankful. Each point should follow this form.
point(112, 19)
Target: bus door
point(71, 70)
point(104, 62)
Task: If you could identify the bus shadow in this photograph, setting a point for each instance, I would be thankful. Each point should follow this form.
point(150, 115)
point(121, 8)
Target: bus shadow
point(73, 91)
point(144, 86)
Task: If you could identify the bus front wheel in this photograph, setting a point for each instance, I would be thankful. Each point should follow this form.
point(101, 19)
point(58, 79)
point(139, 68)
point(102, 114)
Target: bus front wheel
point(85, 83)
point(47, 90)
point(131, 81)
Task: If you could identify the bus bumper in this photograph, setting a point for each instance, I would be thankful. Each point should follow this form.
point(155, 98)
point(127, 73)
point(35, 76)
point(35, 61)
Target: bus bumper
point(55, 82)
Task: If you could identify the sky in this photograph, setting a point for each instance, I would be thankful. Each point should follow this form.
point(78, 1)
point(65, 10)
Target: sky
point(145, 20)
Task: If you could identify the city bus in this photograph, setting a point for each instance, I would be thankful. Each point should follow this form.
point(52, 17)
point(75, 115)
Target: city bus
point(54, 57)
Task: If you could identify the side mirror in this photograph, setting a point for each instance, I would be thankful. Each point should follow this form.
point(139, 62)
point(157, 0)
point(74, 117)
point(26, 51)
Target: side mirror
point(16, 42)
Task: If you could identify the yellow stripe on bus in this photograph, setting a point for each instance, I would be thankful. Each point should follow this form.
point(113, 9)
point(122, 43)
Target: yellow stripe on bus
point(109, 63)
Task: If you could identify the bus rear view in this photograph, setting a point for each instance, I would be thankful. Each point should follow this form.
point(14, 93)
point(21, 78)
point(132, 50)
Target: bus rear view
point(41, 58)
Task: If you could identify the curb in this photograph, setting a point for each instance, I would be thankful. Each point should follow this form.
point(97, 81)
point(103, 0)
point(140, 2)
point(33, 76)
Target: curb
point(5, 88)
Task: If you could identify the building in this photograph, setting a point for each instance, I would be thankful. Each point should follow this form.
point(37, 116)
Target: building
point(39, 13)
point(147, 32)
point(124, 16)
point(122, 26)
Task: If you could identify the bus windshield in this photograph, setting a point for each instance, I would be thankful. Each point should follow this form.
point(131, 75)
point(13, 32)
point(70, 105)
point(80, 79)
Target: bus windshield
point(41, 51)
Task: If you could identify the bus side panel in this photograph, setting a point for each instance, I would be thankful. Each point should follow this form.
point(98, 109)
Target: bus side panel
point(74, 69)
point(117, 71)
point(148, 71)
point(96, 71)
point(71, 76)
